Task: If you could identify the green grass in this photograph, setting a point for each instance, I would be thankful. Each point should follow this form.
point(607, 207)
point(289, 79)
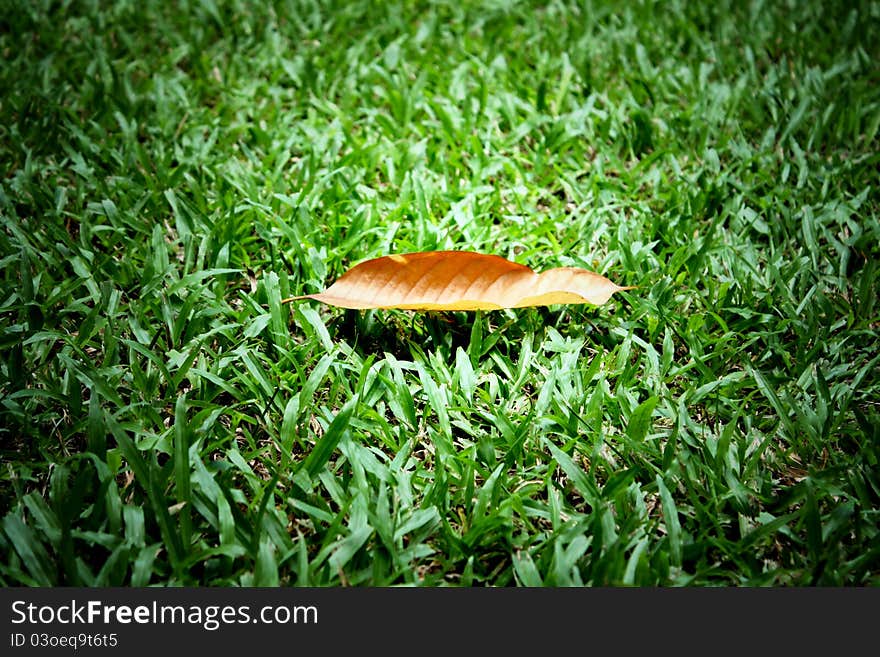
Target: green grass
point(170, 173)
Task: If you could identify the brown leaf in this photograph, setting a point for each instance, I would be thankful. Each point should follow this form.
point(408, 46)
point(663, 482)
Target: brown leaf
point(460, 280)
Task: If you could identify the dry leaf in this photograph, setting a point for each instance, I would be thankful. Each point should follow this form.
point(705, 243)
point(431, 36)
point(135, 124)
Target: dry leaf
point(460, 280)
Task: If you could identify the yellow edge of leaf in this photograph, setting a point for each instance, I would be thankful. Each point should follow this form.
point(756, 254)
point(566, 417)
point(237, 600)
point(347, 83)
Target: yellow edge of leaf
point(554, 298)
point(351, 304)
point(547, 299)
point(455, 305)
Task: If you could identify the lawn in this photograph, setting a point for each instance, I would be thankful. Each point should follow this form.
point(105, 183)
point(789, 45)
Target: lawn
point(172, 171)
